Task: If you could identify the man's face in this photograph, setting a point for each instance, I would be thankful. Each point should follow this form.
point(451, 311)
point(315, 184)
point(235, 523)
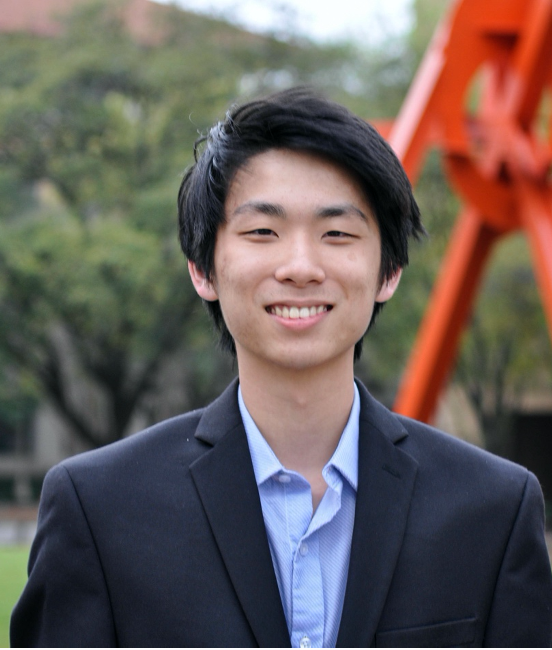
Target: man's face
point(296, 262)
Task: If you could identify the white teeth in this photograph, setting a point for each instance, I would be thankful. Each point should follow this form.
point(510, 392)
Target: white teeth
point(297, 312)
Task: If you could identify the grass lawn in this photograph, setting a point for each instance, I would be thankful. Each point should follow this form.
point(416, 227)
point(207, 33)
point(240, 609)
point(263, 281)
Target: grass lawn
point(13, 575)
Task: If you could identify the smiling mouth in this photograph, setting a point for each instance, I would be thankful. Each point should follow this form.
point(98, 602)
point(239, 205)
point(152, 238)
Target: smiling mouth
point(294, 313)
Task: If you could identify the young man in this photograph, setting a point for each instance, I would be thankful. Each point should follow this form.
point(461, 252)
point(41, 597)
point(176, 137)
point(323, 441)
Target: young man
point(295, 508)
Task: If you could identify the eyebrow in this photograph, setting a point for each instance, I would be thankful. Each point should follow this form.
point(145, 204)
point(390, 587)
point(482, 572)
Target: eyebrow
point(341, 210)
point(277, 210)
point(270, 209)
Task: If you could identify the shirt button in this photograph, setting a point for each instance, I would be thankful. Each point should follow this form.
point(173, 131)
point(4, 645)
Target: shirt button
point(304, 549)
point(305, 642)
point(284, 478)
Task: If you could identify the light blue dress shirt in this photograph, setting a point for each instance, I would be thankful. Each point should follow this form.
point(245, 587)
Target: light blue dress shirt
point(310, 553)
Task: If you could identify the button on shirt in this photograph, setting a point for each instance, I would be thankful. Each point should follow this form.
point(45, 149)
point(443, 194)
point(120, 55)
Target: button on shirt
point(310, 553)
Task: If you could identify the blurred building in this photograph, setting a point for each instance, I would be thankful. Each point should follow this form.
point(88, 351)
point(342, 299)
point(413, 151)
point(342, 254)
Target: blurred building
point(45, 17)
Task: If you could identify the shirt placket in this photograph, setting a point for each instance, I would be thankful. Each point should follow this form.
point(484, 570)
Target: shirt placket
point(307, 630)
point(307, 581)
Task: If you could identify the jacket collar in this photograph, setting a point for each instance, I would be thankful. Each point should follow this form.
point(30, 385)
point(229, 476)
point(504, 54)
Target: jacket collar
point(221, 416)
point(226, 484)
point(385, 486)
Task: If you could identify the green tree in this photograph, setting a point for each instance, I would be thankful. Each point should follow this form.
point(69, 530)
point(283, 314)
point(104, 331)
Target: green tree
point(103, 300)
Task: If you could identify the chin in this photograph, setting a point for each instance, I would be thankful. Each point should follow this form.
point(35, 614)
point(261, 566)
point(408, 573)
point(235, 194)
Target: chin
point(302, 360)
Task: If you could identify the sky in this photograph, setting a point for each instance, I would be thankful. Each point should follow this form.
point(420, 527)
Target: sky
point(368, 21)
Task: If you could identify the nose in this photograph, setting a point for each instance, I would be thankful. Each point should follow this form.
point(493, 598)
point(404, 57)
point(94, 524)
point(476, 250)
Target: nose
point(300, 264)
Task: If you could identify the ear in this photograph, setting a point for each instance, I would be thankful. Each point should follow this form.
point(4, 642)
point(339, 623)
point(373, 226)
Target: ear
point(203, 286)
point(389, 287)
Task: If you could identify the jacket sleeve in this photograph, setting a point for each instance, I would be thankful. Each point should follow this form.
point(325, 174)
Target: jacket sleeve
point(66, 600)
point(521, 612)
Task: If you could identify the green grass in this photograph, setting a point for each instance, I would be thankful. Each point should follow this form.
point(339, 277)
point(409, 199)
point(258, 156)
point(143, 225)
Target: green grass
point(13, 575)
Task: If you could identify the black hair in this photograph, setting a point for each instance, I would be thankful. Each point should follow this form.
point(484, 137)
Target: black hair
point(298, 119)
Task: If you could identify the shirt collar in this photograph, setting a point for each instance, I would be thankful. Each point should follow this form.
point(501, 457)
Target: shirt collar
point(345, 457)
point(266, 464)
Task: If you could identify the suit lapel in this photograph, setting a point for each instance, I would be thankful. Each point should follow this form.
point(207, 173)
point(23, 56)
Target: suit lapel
point(226, 484)
point(385, 486)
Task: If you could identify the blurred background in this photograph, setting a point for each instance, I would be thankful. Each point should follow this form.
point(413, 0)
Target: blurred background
point(101, 333)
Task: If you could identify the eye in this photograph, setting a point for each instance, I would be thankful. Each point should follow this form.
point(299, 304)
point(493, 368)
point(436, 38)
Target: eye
point(263, 232)
point(260, 234)
point(338, 234)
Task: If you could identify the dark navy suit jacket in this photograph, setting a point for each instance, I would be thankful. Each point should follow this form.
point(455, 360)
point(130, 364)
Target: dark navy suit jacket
point(159, 540)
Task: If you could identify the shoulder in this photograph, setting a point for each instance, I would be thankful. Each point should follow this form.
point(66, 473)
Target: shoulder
point(172, 437)
point(147, 456)
point(437, 451)
point(149, 471)
point(445, 464)
point(468, 482)
point(159, 454)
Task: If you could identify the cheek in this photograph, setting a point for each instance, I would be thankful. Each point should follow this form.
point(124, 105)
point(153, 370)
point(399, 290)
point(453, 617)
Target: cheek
point(363, 289)
point(360, 265)
point(227, 275)
point(233, 264)
point(239, 274)
point(235, 287)
point(361, 280)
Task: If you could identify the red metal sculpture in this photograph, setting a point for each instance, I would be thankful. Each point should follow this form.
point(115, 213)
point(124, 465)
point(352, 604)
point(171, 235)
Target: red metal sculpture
point(497, 54)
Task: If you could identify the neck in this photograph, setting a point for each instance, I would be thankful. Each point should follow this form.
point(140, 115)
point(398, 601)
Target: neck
point(301, 413)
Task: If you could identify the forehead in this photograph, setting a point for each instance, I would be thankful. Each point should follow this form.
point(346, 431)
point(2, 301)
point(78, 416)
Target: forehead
point(290, 176)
